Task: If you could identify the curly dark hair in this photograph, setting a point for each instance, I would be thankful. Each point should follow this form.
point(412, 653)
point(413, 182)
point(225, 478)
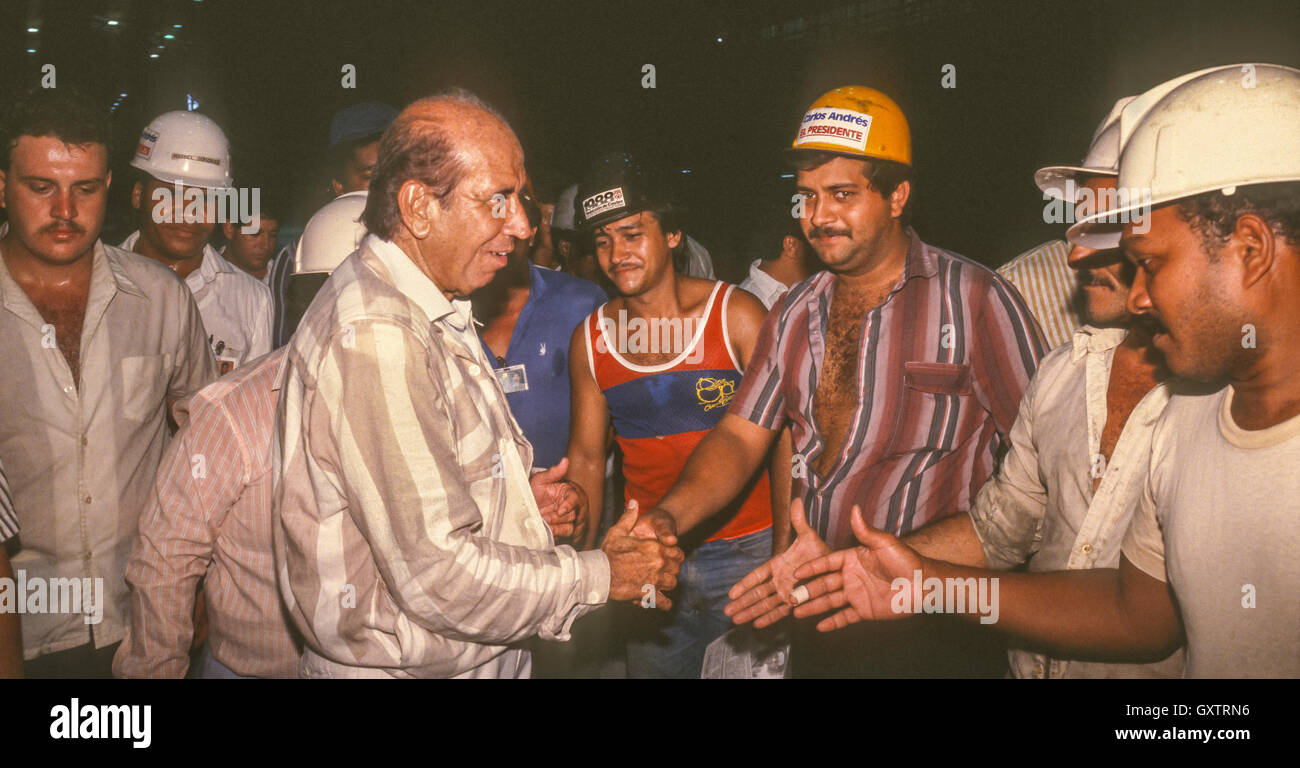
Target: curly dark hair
point(1214, 215)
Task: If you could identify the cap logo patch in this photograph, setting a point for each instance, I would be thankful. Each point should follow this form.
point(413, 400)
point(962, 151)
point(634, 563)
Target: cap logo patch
point(841, 127)
point(601, 202)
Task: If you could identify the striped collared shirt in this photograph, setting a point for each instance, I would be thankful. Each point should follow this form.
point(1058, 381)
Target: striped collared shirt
point(1041, 503)
point(81, 456)
point(1045, 280)
point(943, 363)
point(406, 535)
point(8, 519)
point(211, 514)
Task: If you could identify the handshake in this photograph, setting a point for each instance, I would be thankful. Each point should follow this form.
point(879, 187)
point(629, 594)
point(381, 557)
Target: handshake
point(644, 558)
point(806, 578)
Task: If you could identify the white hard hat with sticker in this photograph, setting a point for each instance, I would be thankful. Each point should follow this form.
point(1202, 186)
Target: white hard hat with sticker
point(184, 148)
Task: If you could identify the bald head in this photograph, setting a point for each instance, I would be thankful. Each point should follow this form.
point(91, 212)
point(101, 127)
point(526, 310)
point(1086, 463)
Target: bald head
point(433, 141)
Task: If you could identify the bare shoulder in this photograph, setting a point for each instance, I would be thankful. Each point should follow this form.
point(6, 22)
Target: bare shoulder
point(745, 306)
point(694, 293)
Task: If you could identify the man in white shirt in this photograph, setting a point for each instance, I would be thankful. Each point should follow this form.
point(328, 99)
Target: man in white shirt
point(772, 274)
point(184, 151)
point(96, 343)
point(1065, 493)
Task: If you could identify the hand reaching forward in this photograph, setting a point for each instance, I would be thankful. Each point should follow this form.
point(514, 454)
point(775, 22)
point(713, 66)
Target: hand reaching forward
point(640, 569)
point(563, 503)
point(767, 593)
point(857, 583)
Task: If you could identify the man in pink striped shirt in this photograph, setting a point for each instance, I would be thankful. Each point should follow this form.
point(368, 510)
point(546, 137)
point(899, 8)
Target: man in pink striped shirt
point(209, 519)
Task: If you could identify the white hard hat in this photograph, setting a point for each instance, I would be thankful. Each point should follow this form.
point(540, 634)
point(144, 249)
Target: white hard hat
point(1102, 159)
point(331, 235)
point(186, 148)
point(1216, 129)
point(1101, 228)
point(562, 216)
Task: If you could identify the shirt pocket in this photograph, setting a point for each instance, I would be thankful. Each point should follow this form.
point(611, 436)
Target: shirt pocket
point(938, 378)
point(143, 385)
point(933, 398)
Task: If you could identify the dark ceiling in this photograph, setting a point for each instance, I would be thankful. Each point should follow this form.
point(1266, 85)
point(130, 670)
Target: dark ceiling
point(1033, 79)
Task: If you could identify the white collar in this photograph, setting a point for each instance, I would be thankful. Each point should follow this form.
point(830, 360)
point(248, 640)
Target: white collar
point(1091, 339)
point(209, 267)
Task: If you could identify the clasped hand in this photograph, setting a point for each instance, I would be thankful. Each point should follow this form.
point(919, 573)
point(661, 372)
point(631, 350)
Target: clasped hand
point(563, 503)
point(643, 558)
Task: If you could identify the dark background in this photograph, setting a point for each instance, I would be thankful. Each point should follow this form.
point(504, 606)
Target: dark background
point(1033, 80)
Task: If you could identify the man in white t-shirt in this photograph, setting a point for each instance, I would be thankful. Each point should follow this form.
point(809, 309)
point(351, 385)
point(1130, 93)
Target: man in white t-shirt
point(178, 155)
point(1210, 553)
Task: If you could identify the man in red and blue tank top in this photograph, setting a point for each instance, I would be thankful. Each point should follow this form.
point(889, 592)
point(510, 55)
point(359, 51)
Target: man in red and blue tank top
point(660, 363)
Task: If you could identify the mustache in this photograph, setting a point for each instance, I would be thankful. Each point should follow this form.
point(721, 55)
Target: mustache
point(1151, 325)
point(64, 226)
point(817, 232)
point(1093, 277)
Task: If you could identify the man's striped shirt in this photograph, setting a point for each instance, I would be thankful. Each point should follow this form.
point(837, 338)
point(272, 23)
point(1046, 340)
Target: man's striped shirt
point(8, 518)
point(407, 539)
point(942, 365)
point(1045, 280)
point(209, 518)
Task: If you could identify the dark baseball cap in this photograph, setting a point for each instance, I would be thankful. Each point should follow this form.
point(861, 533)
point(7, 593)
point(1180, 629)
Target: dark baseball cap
point(359, 121)
point(618, 185)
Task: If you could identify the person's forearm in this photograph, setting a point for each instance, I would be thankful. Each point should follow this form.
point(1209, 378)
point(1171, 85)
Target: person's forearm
point(781, 478)
point(1082, 613)
point(952, 539)
point(162, 626)
point(11, 634)
point(718, 469)
point(588, 473)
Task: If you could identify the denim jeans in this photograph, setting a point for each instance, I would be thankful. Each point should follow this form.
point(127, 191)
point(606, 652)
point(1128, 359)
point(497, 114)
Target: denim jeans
point(672, 645)
point(211, 669)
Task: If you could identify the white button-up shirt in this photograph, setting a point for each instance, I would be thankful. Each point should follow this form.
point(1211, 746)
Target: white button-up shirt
point(236, 308)
point(1041, 503)
point(81, 456)
point(765, 288)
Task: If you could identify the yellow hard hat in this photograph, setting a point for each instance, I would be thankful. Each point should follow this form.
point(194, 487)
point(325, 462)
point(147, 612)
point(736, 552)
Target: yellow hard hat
point(856, 121)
